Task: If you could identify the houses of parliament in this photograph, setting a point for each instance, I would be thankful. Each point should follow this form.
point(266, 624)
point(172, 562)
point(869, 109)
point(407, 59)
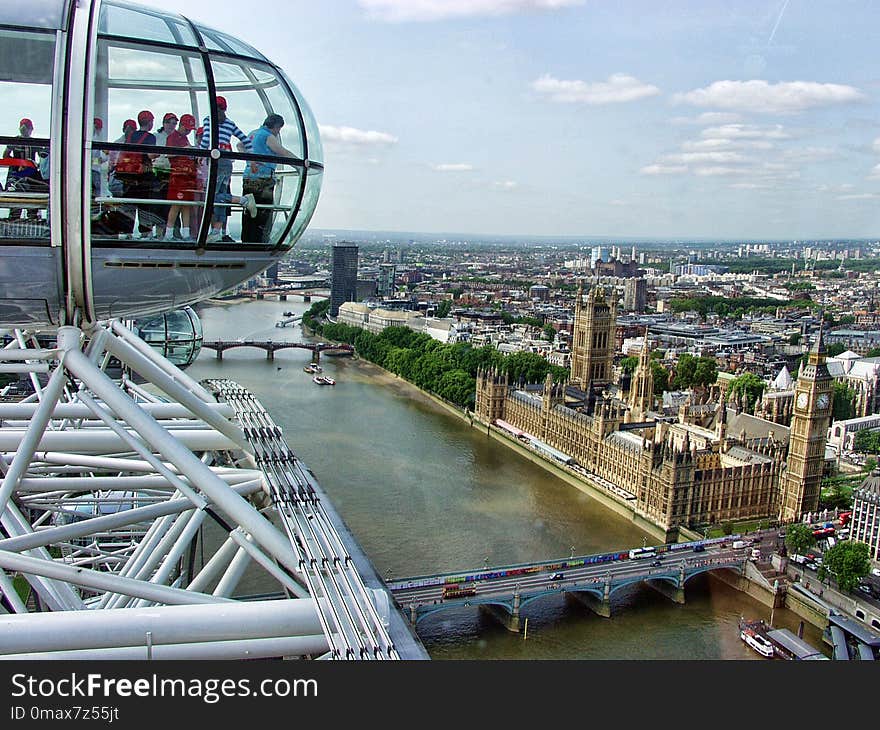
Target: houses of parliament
point(708, 463)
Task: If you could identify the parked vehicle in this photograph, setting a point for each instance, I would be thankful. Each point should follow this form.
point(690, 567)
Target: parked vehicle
point(739, 544)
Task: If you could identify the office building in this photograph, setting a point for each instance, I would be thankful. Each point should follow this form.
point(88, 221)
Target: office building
point(343, 283)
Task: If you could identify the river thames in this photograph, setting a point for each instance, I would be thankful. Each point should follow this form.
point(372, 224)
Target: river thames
point(424, 493)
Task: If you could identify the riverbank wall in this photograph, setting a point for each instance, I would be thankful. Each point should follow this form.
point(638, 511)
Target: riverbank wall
point(559, 470)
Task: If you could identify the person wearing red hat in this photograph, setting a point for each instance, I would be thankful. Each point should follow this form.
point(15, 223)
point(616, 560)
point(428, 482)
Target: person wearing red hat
point(162, 170)
point(23, 177)
point(115, 185)
point(226, 129)
point(135, 170)
point(182, 183)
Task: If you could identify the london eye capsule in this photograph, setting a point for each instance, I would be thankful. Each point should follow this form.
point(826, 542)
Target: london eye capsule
point(148, 162)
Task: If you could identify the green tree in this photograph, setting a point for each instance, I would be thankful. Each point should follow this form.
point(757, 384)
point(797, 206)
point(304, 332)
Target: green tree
point(799, 538)
point(835, 349)
point(661, 377)
point(549, 332)
point(750, 385)
point(443, 309)
point(870, 465)
point(847, 562)
point(629, 364)
point(706, 372)
point(457, 386)
point(795, 339)
point(873, 352)
point(528, 366)
point(847, 319)
point(684, 372)
point(844, 403)
point(867, 442)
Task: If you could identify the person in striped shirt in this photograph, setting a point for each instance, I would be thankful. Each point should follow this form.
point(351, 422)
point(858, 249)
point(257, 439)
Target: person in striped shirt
point(225, 131)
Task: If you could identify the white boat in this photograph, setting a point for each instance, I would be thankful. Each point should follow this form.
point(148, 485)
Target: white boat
point(751, 634)
point(312, 369)
point(323, 380)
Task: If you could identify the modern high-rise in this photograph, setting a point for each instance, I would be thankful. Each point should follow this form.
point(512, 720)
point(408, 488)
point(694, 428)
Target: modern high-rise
point(387, 275)
point(343, 284)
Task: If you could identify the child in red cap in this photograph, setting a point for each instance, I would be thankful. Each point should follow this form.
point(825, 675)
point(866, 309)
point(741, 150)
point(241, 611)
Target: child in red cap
point(182, 183)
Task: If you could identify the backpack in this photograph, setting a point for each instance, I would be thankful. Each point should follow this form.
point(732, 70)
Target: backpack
point(133, 163)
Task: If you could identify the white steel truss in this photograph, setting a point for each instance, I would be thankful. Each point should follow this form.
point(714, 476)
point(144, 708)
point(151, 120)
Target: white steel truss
point(107, 488)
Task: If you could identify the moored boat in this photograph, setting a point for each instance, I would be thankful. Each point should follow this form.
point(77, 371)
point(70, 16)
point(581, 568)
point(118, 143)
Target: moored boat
point(323, 380)
point(753, 634)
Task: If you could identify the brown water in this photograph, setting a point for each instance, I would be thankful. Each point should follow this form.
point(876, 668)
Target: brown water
point(424, 493)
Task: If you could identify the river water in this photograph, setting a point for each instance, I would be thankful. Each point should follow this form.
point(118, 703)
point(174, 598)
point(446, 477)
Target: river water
point(424, 493)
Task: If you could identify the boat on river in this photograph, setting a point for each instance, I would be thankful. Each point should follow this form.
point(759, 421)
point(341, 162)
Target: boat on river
point(323, 380)
point(754, 634)
point(313, 368)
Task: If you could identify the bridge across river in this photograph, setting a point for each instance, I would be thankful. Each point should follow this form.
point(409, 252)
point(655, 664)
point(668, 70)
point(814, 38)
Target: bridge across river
point(591, 579)
point(271, 347)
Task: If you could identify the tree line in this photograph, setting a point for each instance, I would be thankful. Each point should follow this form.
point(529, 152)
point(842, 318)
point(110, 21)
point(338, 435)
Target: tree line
point(732, 306)
point(448, 370)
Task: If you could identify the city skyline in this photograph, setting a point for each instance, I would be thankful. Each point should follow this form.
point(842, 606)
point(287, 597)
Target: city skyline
point(534, 117)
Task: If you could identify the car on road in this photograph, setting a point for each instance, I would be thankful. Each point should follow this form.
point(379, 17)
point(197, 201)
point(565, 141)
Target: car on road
point(875, 571)
point(865, 589)
point(655, 563)
point(699, 548)
point(557, 576)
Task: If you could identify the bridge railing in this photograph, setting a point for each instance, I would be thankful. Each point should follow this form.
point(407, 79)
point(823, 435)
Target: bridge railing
point(488, 573)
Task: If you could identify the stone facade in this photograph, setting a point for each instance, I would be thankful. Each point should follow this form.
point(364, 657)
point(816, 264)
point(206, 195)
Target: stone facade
point(684, 471)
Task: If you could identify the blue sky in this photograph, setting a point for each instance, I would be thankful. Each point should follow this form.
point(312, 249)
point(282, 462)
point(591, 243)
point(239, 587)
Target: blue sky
point(584, 117)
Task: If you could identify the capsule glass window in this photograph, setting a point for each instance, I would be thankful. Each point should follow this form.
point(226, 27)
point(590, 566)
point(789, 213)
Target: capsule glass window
point(26, 70)
point(133, 183)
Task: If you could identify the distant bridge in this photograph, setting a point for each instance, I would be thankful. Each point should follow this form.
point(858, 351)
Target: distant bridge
point(271, 347)
point(591, 579)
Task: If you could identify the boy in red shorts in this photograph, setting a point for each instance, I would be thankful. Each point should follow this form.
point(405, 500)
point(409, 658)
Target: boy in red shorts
point(182, 182)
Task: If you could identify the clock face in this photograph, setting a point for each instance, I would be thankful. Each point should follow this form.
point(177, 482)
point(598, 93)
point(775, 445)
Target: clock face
point(822, 401)
point(802, 400)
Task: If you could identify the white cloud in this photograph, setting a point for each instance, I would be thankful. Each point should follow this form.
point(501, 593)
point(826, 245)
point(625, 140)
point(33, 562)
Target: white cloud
point(877, 145)
point(749, 186)
point(617, 89)
point(809, 154)
point(453, 167)
point(715, 143)
point(760, 96)
point(397, 11)
point(875, 173)
point(350, 135)
point(719, 157)
point(663, 169)
point(745, 131)
point(720, 171)
point(709, 118)
point(859, 196)
point(505, 184)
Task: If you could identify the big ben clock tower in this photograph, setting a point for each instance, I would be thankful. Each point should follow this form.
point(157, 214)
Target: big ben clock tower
point(806, 444)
